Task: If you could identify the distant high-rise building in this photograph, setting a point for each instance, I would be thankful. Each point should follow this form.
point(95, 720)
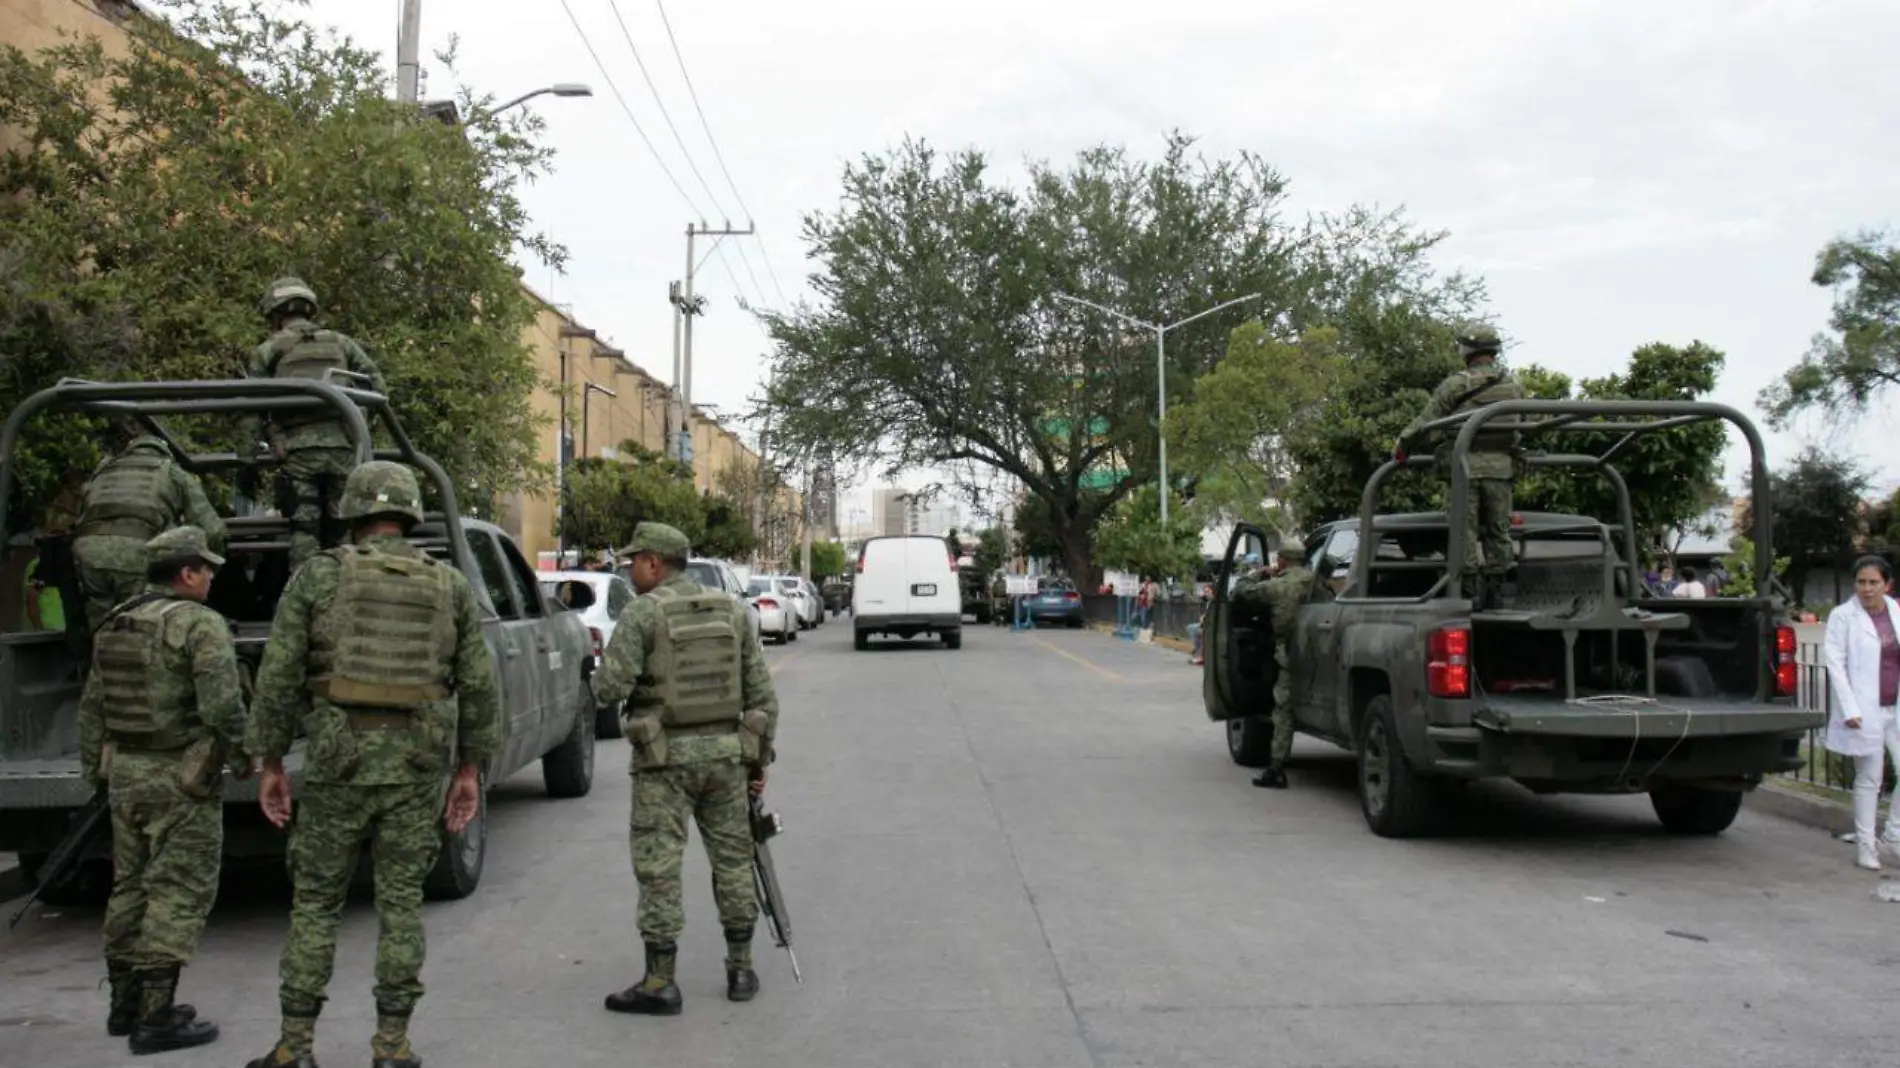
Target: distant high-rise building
point(890, 511)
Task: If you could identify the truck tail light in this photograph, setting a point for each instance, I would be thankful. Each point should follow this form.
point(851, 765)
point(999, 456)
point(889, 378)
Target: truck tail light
point(594, 633)
point(1448, 665)
point(1786, 676)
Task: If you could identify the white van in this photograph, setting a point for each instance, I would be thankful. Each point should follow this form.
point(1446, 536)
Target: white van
point(906, 586)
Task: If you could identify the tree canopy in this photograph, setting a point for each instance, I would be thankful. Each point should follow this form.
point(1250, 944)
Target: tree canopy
point(938, 338)
point(150, 197)
point(603, 500)
point(1817, 513)
point(1133, 539)
point(1846, 371)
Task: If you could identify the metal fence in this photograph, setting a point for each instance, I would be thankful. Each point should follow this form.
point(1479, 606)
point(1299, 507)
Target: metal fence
point(1169, 618)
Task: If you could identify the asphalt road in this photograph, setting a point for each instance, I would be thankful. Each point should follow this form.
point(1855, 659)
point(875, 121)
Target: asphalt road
point(1034, 851)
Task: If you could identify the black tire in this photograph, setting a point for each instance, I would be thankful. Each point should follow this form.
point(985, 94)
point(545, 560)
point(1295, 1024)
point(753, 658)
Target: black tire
point(607, 721)
point(953, 639)
point(1397, 801)
point(568, 768)
point(1250, 741)
point(861, 640)
point(1075, 623)
point(1691, 810)
point(791, 635)
point(458, 869)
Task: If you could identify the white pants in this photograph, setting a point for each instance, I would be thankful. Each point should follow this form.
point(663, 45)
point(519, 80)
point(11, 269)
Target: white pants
point(1868, 772)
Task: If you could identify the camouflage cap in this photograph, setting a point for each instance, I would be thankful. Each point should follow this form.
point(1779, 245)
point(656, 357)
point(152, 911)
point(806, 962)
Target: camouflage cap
point(381, 487)
point(283, 291)
point(660, 538)
point(183, 543)
point(1477, 337)
point(1292, 546)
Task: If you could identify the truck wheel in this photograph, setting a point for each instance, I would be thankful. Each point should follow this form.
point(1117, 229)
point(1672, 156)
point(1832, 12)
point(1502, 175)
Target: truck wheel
point(953, 639)
point(861, 641)
point(568, 769)
point(1250, 741)
point(458, 869)
point(1396, 799)
point(1691, 810)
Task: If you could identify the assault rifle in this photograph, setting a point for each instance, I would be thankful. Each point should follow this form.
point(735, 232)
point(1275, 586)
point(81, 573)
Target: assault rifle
point(765, 826)
point(87, 825)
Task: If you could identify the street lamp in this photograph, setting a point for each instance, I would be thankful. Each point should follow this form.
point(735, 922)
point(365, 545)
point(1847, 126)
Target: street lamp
point(588, 390)
point(558, 89)
point(1161, 370)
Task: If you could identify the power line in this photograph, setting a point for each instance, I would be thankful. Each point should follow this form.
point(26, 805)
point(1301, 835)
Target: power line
point(655, 90)
point(717, 155)
point(637, 128)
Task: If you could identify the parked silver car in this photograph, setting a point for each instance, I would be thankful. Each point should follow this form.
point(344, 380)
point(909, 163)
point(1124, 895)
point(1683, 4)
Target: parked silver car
point(778, 613)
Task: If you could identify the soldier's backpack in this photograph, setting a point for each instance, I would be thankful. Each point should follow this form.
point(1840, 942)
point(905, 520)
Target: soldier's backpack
point(397, 634)
point(144, 710)
point(306, 350)
point(695, 669)
point(129, 496)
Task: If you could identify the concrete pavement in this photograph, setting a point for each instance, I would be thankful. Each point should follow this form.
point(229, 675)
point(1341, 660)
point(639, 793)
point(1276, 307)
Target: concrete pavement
point(1034, 851)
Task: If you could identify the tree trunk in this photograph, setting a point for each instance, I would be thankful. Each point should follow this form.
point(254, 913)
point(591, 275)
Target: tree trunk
point(1074, 533)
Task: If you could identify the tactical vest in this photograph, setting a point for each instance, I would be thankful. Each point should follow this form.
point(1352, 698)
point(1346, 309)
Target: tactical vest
point(694, 673)
point(307, 351)
point(129, 498)
point(396, 631)
point(144, 709)
point(1486, 388)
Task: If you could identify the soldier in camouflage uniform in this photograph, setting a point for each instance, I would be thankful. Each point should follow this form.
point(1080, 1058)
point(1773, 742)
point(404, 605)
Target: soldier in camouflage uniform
point(1281, 594)
point(1491, 461)
point(378, 650)
point(130, 499)
point(313, 446)
point(161, 715)
point(701, 741)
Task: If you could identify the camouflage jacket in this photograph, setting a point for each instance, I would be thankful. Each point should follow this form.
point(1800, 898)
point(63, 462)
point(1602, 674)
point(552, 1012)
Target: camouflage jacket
point(185, 500)
point(1462, 391)
point(328, 433)
point(302, 641)
point(626, 659)
point(200, 664)
point(1282, 595)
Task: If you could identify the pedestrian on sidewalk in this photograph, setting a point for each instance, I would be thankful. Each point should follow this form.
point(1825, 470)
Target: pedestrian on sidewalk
point(1863, 672)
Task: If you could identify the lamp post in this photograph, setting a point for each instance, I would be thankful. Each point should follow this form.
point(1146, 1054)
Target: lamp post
point(1161, 370)
point(588, 390)
point(558, 89)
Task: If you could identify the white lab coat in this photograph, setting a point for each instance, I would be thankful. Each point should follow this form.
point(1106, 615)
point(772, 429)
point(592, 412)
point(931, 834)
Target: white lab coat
point(1853, 677)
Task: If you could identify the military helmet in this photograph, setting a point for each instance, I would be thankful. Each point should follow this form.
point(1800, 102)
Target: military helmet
point(1292, 548)
point(1478, 339)
point(381, 487)
point(285, 291)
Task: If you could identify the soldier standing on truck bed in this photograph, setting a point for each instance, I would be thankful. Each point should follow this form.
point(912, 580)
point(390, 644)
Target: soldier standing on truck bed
point(313, 447)
point(379, 650)
point(701, 718)
point(1282, 594)
point(161, 715)
point(1490, 463)
point(131, 498)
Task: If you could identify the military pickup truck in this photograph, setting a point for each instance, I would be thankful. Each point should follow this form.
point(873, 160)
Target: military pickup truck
point(1580, 682)
point(542, 651)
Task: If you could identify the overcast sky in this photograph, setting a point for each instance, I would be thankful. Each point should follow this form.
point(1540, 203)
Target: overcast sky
point(1618, 173)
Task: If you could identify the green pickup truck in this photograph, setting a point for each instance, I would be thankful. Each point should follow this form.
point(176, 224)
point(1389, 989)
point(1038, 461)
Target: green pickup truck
point(1579, 682)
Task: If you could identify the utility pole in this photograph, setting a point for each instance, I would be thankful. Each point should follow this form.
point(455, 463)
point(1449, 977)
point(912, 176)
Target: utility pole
point(408, 51)
point(689, 306)
point(810, 479)
point(758, 497)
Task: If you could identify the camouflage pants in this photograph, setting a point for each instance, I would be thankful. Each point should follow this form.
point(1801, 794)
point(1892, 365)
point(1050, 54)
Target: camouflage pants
point(315, 478)
point(1488, 525)
point(1282, 707)
point(111, 572)
point(714, 793)
point(332, 820)
point(166, 848)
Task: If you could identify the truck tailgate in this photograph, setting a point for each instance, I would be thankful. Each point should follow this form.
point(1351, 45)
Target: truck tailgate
point(56, 783)
point(1671, 717)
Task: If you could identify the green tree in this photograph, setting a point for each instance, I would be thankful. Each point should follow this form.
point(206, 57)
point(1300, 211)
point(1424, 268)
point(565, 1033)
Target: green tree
point(604, 500)
point(729, 534)
point(230, 146)
point(827, 558)
point(992, 550)
point(1235, 431)
point(1817, 513)
point(1740, 563)
point(1132, 538)
point(1847, 370)
point(937, 338)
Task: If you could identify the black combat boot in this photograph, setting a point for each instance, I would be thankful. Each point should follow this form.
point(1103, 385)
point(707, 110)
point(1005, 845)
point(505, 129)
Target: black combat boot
point(124, 1012)
point(390, 1046)
point(162, 1026)
point(742, 983)
point(655, 995)
point(1272, 778)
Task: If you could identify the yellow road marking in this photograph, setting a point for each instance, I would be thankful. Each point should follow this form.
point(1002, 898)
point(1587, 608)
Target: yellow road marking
point(1090, 664)
point(772, 668)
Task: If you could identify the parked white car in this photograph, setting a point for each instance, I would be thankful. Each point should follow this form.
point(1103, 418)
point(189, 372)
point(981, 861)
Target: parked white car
point(778, 615)
point(811, 605)
point(612, 594)
point(907, 585)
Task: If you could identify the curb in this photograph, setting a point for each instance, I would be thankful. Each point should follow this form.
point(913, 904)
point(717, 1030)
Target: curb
point(1176, 644)
point(1834, 817)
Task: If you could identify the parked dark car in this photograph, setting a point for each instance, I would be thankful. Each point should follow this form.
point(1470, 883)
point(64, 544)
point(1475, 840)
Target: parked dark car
point(1056, 602)
point(837, 594)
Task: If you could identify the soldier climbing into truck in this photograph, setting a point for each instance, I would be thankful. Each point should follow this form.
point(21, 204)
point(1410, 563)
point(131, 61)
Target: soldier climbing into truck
point(1575, 679)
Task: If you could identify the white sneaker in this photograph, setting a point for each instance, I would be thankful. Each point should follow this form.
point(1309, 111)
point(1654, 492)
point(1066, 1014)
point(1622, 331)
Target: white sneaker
point(1891, 836)
point(1868, 860)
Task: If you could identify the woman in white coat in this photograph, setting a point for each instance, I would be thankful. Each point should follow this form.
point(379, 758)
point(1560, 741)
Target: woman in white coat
point(1863, 674)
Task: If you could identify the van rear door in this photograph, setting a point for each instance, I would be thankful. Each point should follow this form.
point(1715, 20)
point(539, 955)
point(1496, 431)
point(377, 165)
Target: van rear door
point(882, 588)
